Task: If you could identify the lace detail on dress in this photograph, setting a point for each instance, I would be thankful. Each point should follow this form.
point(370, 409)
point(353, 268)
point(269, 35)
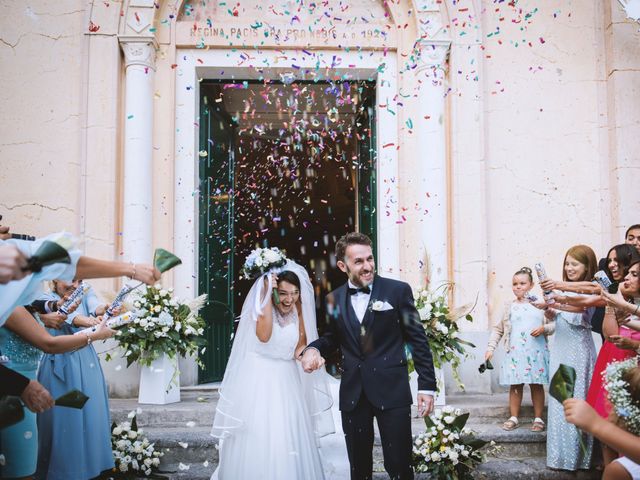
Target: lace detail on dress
point(285, 319)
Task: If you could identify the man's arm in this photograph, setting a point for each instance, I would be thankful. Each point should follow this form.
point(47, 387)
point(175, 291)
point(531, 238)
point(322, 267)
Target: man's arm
point(312, 355)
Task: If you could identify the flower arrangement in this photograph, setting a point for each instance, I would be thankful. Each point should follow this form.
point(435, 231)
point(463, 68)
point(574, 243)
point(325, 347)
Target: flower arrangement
point(626, 408)
point(164, 324)
point(133, 454)
point(447, 450)
point(441, 327)
point(261, 260)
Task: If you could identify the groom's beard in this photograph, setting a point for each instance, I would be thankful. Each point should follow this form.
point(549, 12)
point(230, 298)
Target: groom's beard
point(355, 278)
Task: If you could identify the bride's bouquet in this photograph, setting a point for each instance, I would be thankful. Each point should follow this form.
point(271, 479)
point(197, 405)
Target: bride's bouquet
point(164, 324)
point(262, 260)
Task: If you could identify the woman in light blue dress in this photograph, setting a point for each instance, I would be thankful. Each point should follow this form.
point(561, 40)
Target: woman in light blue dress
point(19, 442)
point(22, 340)
point(74, 444)
point(573, 346)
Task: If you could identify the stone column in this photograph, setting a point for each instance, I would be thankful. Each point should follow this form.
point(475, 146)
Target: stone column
point(433, 177)
point(139, 54)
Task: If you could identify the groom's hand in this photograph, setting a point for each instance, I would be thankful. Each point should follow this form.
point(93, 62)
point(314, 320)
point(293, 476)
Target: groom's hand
point(312, 360)
point(425, 404)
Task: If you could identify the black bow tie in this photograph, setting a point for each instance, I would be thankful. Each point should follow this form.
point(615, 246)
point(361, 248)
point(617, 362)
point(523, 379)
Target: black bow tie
point(353, 291)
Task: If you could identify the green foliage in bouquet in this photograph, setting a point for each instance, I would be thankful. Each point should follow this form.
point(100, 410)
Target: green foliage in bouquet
point(134, 455)
point(441, 326)
point(448, 450)
point(164, 325)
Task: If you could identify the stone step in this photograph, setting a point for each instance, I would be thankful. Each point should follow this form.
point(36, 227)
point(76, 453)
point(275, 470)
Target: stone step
point(199, 405)
point(533, 468)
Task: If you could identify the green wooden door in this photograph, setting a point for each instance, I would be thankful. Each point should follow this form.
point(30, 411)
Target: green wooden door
point(366, 197)
point(215, 247)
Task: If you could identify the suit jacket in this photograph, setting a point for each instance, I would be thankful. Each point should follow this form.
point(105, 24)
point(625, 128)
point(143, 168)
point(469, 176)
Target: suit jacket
point(373, 353)
point(11, 382)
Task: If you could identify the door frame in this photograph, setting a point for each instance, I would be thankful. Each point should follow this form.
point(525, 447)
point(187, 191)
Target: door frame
point(223, 64)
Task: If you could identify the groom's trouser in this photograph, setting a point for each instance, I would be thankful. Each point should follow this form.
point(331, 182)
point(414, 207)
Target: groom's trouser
point(395, 434)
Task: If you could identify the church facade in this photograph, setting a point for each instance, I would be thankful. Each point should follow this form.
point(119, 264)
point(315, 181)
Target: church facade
point(467, 138)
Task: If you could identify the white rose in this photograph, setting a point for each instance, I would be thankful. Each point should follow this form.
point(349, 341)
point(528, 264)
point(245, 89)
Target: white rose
point(448, 419)
point(117, 431)
point(121, 444)
point(457, 412)
point(446, 432)
point(258, 262)
point(437, 413)
point(453, 456)
point(133, 434)
point(156, 462)
point(442, 327)
point(418, 442)
point(123, 467)
point(157, 309)
point(447, 409)
point(435, 457)
point(144, 322)
point(147, 462)
point(163, 293)
point(424, 294)
point(178, 326)
point(156, 297)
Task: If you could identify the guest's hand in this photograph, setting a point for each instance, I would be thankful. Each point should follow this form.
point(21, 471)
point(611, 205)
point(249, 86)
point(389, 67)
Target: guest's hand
point(36, 397)
point(145, 273)
point(550, 313)
point(83, 321)
point(580, 413)
point(312, 360)
point(624, 342)
point(4, 231)
point(12, 261)
point(548, 285)
point(425, 404)
point(101, 309)
point(488, 355)
point(53, 320)
point(103, 332)
point(536, 332)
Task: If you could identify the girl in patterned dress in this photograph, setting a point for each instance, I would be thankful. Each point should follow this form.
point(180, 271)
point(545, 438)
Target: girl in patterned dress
point(527, 357)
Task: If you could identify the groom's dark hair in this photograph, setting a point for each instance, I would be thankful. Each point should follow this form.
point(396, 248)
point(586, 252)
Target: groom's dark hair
point(352, 238)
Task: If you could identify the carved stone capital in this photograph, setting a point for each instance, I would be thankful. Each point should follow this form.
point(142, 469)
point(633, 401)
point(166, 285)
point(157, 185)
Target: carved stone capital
point(139, 51)
point(433, 54)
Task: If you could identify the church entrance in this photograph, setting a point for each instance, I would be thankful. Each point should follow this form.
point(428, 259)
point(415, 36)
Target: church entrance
point(288, 164)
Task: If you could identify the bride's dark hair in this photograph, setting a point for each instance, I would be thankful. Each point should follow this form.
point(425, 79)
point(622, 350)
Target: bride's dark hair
point(289, 277)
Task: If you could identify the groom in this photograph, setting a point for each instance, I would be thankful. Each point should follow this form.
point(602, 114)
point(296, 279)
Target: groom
point(371, 319)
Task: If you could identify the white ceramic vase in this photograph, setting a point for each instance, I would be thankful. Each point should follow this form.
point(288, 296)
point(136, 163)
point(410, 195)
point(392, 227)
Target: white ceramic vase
point(157, 383)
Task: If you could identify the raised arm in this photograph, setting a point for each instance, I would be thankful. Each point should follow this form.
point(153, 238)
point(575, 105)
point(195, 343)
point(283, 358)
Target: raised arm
point(584, 301)
point(89, 267)
point(22, 323)
point(264, 324)
point(588, 288)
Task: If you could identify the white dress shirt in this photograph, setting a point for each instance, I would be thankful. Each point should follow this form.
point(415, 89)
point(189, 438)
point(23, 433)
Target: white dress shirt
point(360, 301)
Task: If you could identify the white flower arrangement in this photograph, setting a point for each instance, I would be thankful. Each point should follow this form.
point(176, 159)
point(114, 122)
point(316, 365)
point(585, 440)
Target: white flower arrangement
point(133, 454)
point(625, 406)
point(447, 449)
point(263, 260)
point(164, 324)
point(441, 326)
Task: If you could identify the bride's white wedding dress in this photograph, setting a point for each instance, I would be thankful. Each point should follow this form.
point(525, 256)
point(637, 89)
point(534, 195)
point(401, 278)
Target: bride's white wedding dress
point(270, 413)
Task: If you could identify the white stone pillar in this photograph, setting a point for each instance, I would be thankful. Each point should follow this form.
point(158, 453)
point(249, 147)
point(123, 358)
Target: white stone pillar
point(139, 54)
point(433, 177)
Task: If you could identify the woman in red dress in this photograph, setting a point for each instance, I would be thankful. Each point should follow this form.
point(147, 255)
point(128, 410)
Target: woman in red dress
point(618, 326)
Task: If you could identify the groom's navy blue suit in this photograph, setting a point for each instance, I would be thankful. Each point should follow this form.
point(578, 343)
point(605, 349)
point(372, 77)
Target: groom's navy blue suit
point(375, 380)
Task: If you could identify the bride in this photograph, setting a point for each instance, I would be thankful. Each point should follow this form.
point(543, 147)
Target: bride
point(271, 414)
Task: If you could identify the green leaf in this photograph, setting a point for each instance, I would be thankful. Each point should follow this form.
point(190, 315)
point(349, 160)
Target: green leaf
point(563, 383)
point(428, 422)
point(465, 342)
point(47, 254)
point(165, 260)
point(72, 399)
point(134, 424)
point(475, 443)
point(460, 421)
point(11, 410)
